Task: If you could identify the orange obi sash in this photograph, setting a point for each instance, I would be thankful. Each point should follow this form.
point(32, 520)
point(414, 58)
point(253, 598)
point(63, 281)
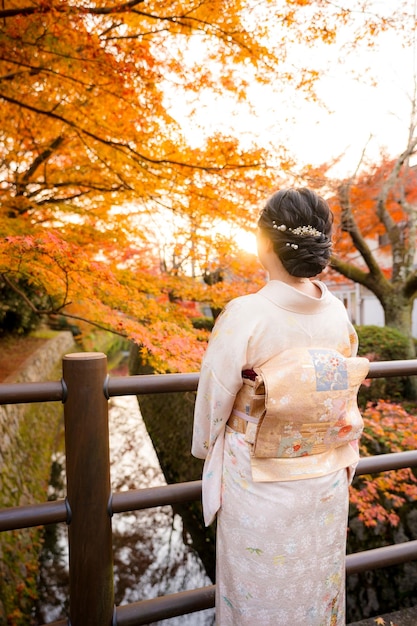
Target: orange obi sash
point(301, 405)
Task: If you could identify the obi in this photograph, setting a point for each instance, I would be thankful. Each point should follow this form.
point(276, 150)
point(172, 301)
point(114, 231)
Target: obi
point(301, 405)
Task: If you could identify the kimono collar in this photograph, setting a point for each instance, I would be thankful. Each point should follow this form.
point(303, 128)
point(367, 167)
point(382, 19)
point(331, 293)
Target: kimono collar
point(291, 299)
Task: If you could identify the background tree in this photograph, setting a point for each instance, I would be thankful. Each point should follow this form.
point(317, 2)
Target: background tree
point(376, 239)
point(89, 150)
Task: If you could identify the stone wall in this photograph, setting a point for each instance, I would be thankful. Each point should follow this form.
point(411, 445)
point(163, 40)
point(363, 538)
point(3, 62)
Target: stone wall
point(28, 434)
point(41, 366)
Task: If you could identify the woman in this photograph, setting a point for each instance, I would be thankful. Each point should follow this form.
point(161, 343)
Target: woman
point(277, 466)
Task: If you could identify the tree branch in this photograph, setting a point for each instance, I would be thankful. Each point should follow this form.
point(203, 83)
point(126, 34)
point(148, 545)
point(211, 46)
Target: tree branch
point(377, 284)
point(41, 158)
point(349, 271)
point(57, 311)
point(399, 252)
point(95, 324)
point(123, 147)
point(383, 212)
point(24, 297)
point(410, 286)
point(349, 225)
point(70, 8)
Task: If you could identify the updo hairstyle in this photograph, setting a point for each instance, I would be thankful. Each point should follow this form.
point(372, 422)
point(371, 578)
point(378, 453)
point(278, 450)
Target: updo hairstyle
point(306, 252)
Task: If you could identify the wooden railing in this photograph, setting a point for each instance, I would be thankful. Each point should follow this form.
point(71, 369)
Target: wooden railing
point(89, 505)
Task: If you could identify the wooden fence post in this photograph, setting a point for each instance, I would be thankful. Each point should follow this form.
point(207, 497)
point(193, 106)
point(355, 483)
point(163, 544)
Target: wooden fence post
point(88, 490)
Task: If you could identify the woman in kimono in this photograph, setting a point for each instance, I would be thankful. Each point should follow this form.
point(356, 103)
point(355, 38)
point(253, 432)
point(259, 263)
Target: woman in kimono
point(277, 423)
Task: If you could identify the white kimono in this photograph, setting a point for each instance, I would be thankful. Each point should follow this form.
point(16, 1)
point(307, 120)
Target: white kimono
point(280, 544)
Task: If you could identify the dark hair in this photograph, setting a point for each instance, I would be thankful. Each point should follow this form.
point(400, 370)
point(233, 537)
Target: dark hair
point(305, 252)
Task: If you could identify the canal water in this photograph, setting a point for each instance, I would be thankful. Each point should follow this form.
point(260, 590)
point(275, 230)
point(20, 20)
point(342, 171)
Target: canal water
point(152, 552)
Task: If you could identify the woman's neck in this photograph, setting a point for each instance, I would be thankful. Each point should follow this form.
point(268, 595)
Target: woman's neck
point(303, 284)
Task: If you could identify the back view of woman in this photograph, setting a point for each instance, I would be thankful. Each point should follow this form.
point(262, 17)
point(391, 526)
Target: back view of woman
point(277, 423)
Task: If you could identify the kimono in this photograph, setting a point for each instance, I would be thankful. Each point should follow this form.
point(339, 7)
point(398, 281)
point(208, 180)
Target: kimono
point(281, 536)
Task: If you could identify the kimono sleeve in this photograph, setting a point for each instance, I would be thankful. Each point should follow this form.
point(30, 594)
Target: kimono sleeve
point(353, 338)
point(220, 379)
point(354, 344)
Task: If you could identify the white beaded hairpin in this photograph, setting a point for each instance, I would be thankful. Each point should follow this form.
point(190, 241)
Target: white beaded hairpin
point(282, 227)
point(301, 231)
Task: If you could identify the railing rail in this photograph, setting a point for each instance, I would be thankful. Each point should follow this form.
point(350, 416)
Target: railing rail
point(89, 506)
point(23, 393)
point(138, 499)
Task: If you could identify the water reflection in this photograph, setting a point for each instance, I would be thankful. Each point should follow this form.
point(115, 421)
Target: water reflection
point(152, 555)
point(149, 546)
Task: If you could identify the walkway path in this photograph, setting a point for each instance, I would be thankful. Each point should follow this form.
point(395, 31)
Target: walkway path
point(407, 617)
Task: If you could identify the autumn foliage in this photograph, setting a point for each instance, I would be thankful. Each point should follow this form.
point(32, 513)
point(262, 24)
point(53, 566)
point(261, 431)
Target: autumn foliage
point(360, 200)
point(379, 498)
point(376, 235)
point(106, 209)
point(90, 158)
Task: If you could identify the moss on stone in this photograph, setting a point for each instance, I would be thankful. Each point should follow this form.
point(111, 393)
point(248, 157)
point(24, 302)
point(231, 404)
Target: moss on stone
point(29, 436)
point(169, 421)
point(25, 478)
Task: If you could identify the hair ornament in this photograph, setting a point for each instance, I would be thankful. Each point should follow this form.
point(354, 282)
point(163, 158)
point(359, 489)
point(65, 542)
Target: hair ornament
point(282, 227)
point(300, 231)
point(292, 245)
point(306, 231)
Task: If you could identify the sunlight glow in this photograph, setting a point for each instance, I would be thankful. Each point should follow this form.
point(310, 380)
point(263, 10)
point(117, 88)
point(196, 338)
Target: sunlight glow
point(245, 241)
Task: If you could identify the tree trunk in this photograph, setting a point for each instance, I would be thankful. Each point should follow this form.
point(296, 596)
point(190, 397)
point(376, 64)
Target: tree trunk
point(398, 314)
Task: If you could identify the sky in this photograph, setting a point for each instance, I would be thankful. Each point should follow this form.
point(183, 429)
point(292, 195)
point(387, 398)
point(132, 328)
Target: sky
point(372, 110)
point(367, 98)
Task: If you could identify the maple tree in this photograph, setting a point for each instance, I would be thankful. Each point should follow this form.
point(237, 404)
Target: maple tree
point(90, 154)
point(376, 226)
point(376, 236)
point(388, 427)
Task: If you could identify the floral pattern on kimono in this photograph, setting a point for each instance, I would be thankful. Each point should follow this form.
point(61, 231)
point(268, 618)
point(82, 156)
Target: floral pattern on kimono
point(280, 553)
